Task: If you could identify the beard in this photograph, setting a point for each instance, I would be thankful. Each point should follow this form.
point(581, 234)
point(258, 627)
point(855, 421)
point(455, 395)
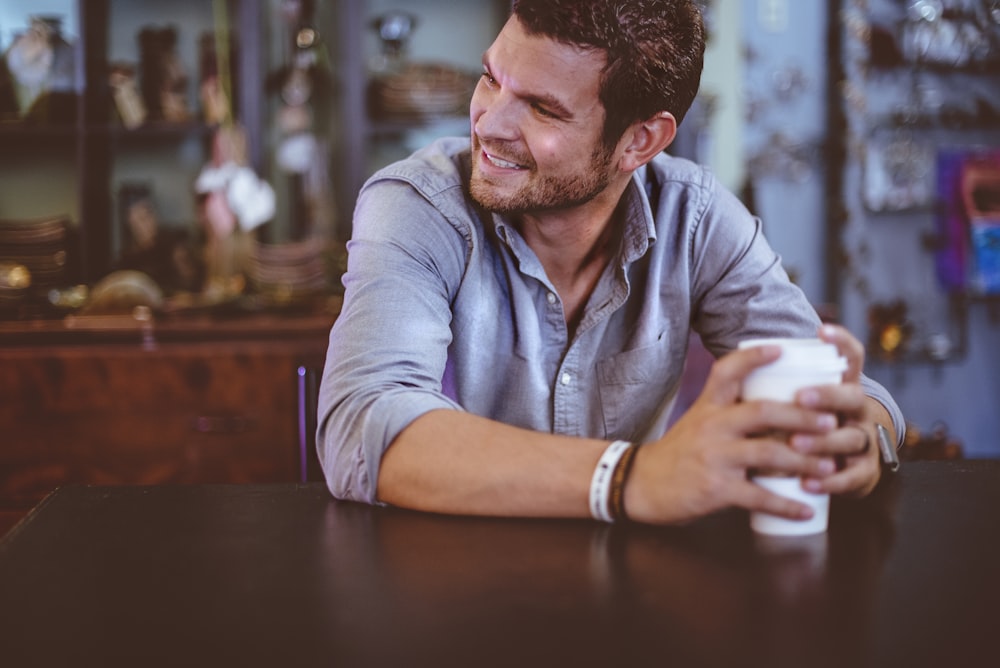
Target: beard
point(541, 192)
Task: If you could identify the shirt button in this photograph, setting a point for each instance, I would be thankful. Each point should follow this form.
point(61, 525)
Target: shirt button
point(551, 297)
point(566, 379)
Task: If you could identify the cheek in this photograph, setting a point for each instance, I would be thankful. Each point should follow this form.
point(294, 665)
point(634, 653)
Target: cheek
point(477, 105)
point(549, 149)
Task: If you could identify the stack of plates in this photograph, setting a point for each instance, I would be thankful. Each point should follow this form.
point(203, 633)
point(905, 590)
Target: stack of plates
point(422, 90)
point(288, 270)
point(39, 247)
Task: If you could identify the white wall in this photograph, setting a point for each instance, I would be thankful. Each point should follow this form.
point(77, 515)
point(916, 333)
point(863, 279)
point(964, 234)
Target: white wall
point(723, 79)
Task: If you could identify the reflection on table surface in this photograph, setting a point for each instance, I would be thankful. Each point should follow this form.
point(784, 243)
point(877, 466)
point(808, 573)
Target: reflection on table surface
point(281, 575)
point(708, 593)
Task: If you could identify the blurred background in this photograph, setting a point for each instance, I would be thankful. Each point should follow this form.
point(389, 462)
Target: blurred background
point(177, 181)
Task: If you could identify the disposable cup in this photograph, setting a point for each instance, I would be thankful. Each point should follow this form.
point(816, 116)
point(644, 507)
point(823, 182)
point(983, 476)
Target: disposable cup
point(803, 363)
point(791, 487)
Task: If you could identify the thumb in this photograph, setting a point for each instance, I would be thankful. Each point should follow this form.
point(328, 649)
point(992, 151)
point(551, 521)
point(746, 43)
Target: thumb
point(725, 381)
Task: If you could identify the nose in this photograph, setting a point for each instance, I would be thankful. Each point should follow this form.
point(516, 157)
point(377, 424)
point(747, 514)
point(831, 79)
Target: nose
point(493, 115)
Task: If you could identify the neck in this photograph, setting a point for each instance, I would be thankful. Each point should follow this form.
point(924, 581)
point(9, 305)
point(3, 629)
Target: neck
point(569, 241)
point(574, 247)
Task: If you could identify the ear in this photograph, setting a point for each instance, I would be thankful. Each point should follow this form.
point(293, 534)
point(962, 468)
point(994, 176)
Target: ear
point(644, 140)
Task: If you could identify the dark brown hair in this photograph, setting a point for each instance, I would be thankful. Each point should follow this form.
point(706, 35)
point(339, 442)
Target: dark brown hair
point(655, 51)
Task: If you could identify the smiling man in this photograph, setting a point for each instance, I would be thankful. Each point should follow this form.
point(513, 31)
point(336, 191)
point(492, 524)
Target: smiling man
point(517, 307)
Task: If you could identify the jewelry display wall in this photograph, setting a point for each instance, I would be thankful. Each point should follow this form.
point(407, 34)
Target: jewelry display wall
point(917, 91)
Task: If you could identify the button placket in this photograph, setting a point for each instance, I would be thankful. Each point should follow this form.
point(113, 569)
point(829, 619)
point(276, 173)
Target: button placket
point(566, 395)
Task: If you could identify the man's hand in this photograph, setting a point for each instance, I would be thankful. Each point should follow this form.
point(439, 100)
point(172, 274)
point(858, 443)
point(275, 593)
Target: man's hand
point(854, 445)
point(701, 465)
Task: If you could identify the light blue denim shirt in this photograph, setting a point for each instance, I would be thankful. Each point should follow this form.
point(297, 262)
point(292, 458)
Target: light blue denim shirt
point(446, 306)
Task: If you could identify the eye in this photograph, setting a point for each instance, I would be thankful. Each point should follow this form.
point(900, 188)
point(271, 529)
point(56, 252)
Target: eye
point(542, 111)
point(488, 78)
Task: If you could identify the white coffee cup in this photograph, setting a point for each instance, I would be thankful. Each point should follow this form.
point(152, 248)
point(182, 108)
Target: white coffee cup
point(803, 363)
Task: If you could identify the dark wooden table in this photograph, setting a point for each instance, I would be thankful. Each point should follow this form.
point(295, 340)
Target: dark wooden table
point(282, 575)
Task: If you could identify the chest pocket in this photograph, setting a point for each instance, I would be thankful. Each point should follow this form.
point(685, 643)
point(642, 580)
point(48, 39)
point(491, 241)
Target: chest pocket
point(637, 387)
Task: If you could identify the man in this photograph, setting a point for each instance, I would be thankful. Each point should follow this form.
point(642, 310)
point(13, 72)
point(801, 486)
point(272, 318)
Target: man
point(515, 305)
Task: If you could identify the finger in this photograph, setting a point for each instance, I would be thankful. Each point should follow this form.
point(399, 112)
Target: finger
point(844, 399)
point(856, 431)
point(857, 478)
point(850, 347)
point(757, 499)
point(852, 440)
point(724, 384)
point(769, 454)
point(759, 417)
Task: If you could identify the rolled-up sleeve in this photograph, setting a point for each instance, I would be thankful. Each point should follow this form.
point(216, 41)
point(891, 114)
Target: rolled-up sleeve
point(388, 348)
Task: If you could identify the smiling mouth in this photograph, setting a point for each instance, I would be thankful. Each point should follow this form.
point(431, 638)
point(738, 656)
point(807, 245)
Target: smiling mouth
point(500, 162)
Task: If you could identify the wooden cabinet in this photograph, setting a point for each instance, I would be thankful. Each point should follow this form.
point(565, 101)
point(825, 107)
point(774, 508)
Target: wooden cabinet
point(193, 401)
point(196, 402)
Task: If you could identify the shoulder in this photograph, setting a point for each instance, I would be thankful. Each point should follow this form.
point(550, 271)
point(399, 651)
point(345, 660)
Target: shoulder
point(680, 176)
point(682, 191)
point(680, 170)
point(432, 182)
point(435, 169)
point(421, 200)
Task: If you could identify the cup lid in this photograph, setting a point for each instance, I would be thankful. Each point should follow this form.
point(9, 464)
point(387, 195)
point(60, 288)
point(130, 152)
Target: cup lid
point(806, 354)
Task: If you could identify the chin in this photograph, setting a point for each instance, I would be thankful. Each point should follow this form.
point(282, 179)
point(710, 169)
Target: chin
point(489, 199)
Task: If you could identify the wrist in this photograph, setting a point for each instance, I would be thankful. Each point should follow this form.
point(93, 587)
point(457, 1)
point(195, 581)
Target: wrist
point(608, 482)
point(635, 498)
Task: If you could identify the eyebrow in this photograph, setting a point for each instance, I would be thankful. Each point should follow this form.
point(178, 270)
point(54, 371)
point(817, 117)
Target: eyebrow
point(552, 103)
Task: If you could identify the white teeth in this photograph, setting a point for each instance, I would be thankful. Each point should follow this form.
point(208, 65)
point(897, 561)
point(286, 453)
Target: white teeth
point(502, 163)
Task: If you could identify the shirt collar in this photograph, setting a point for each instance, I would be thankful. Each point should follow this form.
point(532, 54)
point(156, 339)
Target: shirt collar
point(639, 231)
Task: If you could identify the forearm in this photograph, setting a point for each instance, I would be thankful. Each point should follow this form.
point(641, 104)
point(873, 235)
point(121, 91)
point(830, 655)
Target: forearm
point(455, 462)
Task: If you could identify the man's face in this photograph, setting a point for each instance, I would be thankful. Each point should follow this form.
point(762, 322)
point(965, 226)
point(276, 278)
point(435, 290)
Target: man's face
point(536, 125)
